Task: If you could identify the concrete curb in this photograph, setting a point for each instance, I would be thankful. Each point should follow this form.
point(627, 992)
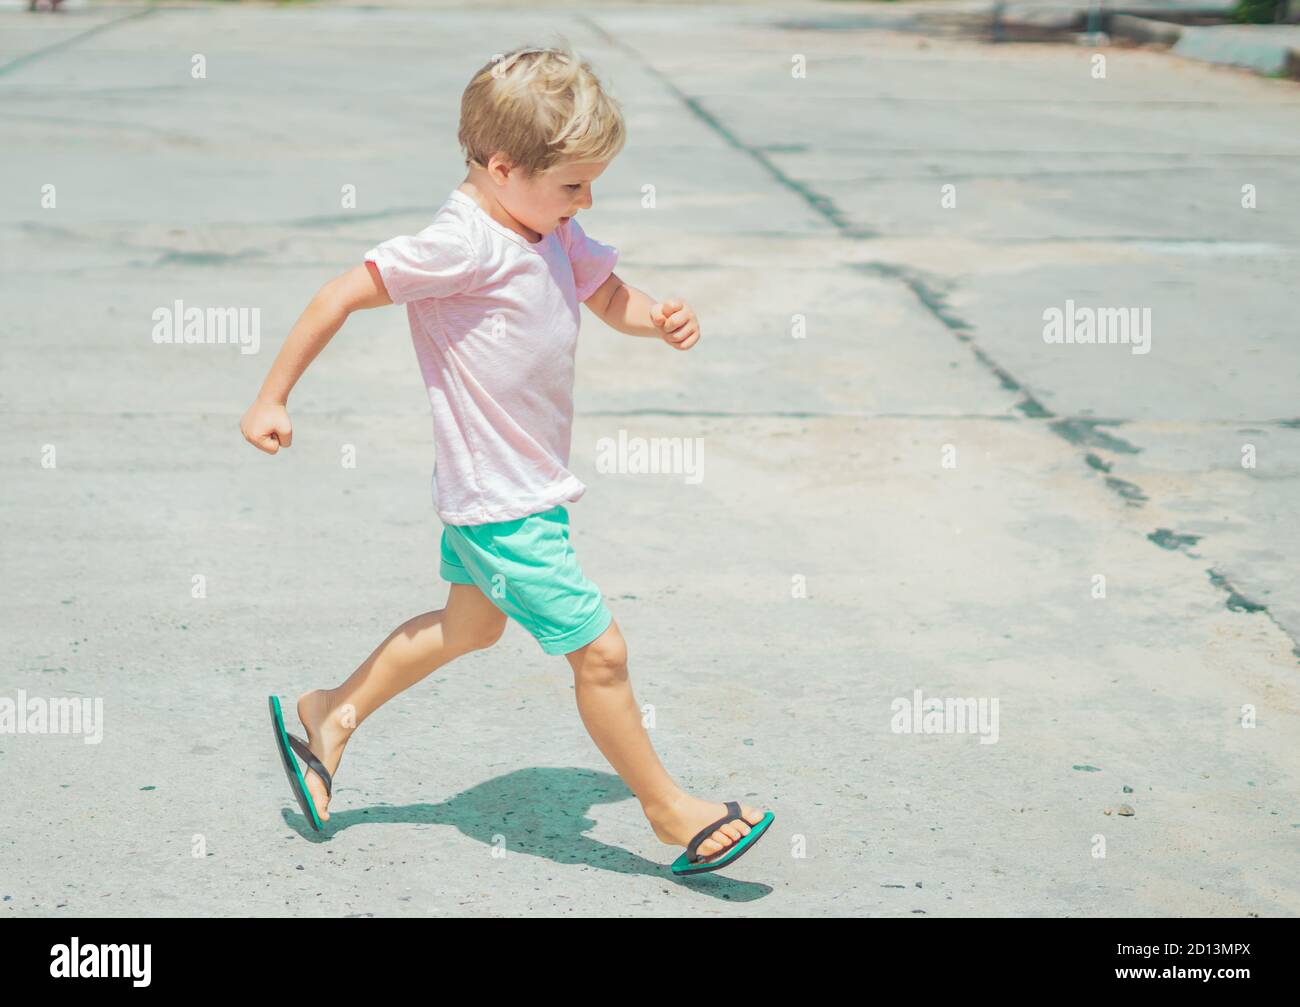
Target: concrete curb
point(1142, 29)
point(1212, 44)
point(1252, 50)
point(1249, 46)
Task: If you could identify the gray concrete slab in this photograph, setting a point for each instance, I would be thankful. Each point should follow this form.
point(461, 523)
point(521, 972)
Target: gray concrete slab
point(823, 459)
point(1270, 49)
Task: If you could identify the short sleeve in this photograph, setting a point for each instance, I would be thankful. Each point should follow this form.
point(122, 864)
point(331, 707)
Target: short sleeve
point(592, 260)
point(437, 262)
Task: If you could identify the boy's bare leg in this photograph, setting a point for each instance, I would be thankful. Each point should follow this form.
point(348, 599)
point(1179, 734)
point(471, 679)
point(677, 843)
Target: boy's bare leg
point(609, 712)
point(469, 621)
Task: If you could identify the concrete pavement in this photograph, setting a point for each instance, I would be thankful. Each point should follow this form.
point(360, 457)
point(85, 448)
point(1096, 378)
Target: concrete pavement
point(905, 486)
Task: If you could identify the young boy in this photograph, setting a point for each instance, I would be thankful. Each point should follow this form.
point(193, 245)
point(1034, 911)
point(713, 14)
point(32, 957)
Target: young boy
point(492, 288)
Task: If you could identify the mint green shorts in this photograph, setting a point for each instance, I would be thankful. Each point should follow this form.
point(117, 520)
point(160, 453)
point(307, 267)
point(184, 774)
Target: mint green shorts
point(528, 569)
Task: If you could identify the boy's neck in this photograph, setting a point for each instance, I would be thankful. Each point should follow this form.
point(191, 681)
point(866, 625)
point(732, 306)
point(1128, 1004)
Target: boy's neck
point(479, 189)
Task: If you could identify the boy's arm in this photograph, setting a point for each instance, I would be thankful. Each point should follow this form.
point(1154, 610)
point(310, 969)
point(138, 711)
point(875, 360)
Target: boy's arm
point(266, 424)
point(323, 316)
point(622, 308)
point(635, 313)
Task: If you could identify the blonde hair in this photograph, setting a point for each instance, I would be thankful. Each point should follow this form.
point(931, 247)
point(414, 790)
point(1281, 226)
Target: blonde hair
point(538, 107)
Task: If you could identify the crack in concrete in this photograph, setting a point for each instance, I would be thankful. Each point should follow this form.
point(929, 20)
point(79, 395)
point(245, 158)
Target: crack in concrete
point(333, 219)
point(822, 205)
point(1084, 433)
point(934, 302)
point(191, 258)
point(29, 57)
point(1238, 602)
point(1235, 600)
point(798, 414)
point(1078, 432)
point(1167, 538)
point(1130, 493)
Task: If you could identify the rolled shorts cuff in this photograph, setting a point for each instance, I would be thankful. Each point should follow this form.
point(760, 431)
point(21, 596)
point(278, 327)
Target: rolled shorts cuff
point(578, 638)
point(454, 573)
point(528, 569)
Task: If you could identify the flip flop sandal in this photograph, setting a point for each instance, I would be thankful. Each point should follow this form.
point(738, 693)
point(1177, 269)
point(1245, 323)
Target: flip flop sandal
point(287, 744)
point(690, 862)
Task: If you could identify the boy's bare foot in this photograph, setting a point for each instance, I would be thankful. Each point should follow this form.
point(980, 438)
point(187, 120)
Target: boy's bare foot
point(328, 731)
point(678, 822)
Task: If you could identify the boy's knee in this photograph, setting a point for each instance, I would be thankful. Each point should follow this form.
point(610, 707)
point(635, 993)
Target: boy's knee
point(479, 635)
point(605, 658)
point(489, 633)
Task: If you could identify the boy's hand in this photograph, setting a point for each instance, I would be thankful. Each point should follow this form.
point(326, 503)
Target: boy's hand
point(266, 426)
point(676, 322)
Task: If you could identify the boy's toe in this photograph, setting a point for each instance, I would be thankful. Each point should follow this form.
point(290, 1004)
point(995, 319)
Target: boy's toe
point(316, 791)
point(720, 840)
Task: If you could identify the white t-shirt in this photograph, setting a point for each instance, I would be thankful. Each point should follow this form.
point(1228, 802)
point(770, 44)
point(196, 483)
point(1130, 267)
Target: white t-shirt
point(494, 318)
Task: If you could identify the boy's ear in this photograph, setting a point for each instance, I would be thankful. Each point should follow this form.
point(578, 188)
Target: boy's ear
point(500, 168)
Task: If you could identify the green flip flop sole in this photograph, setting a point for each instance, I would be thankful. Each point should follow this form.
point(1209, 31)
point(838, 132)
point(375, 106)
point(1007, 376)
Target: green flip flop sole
point(287, 744)
point(690, 862)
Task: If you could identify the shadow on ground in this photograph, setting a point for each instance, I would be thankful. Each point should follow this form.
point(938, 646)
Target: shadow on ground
point(537, 812)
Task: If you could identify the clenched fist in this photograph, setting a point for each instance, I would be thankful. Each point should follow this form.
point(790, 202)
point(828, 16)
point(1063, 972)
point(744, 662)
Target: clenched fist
point(266, 426)
point(676, 322)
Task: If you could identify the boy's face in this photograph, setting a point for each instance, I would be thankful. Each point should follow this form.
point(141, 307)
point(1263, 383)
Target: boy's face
point(546, 200)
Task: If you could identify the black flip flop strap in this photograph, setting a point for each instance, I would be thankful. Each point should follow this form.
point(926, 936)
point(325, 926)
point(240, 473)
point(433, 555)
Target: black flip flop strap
point(305, 753)
point(692, 848)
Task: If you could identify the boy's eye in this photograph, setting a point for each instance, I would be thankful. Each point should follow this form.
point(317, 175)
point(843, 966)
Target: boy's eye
point(574, 185)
